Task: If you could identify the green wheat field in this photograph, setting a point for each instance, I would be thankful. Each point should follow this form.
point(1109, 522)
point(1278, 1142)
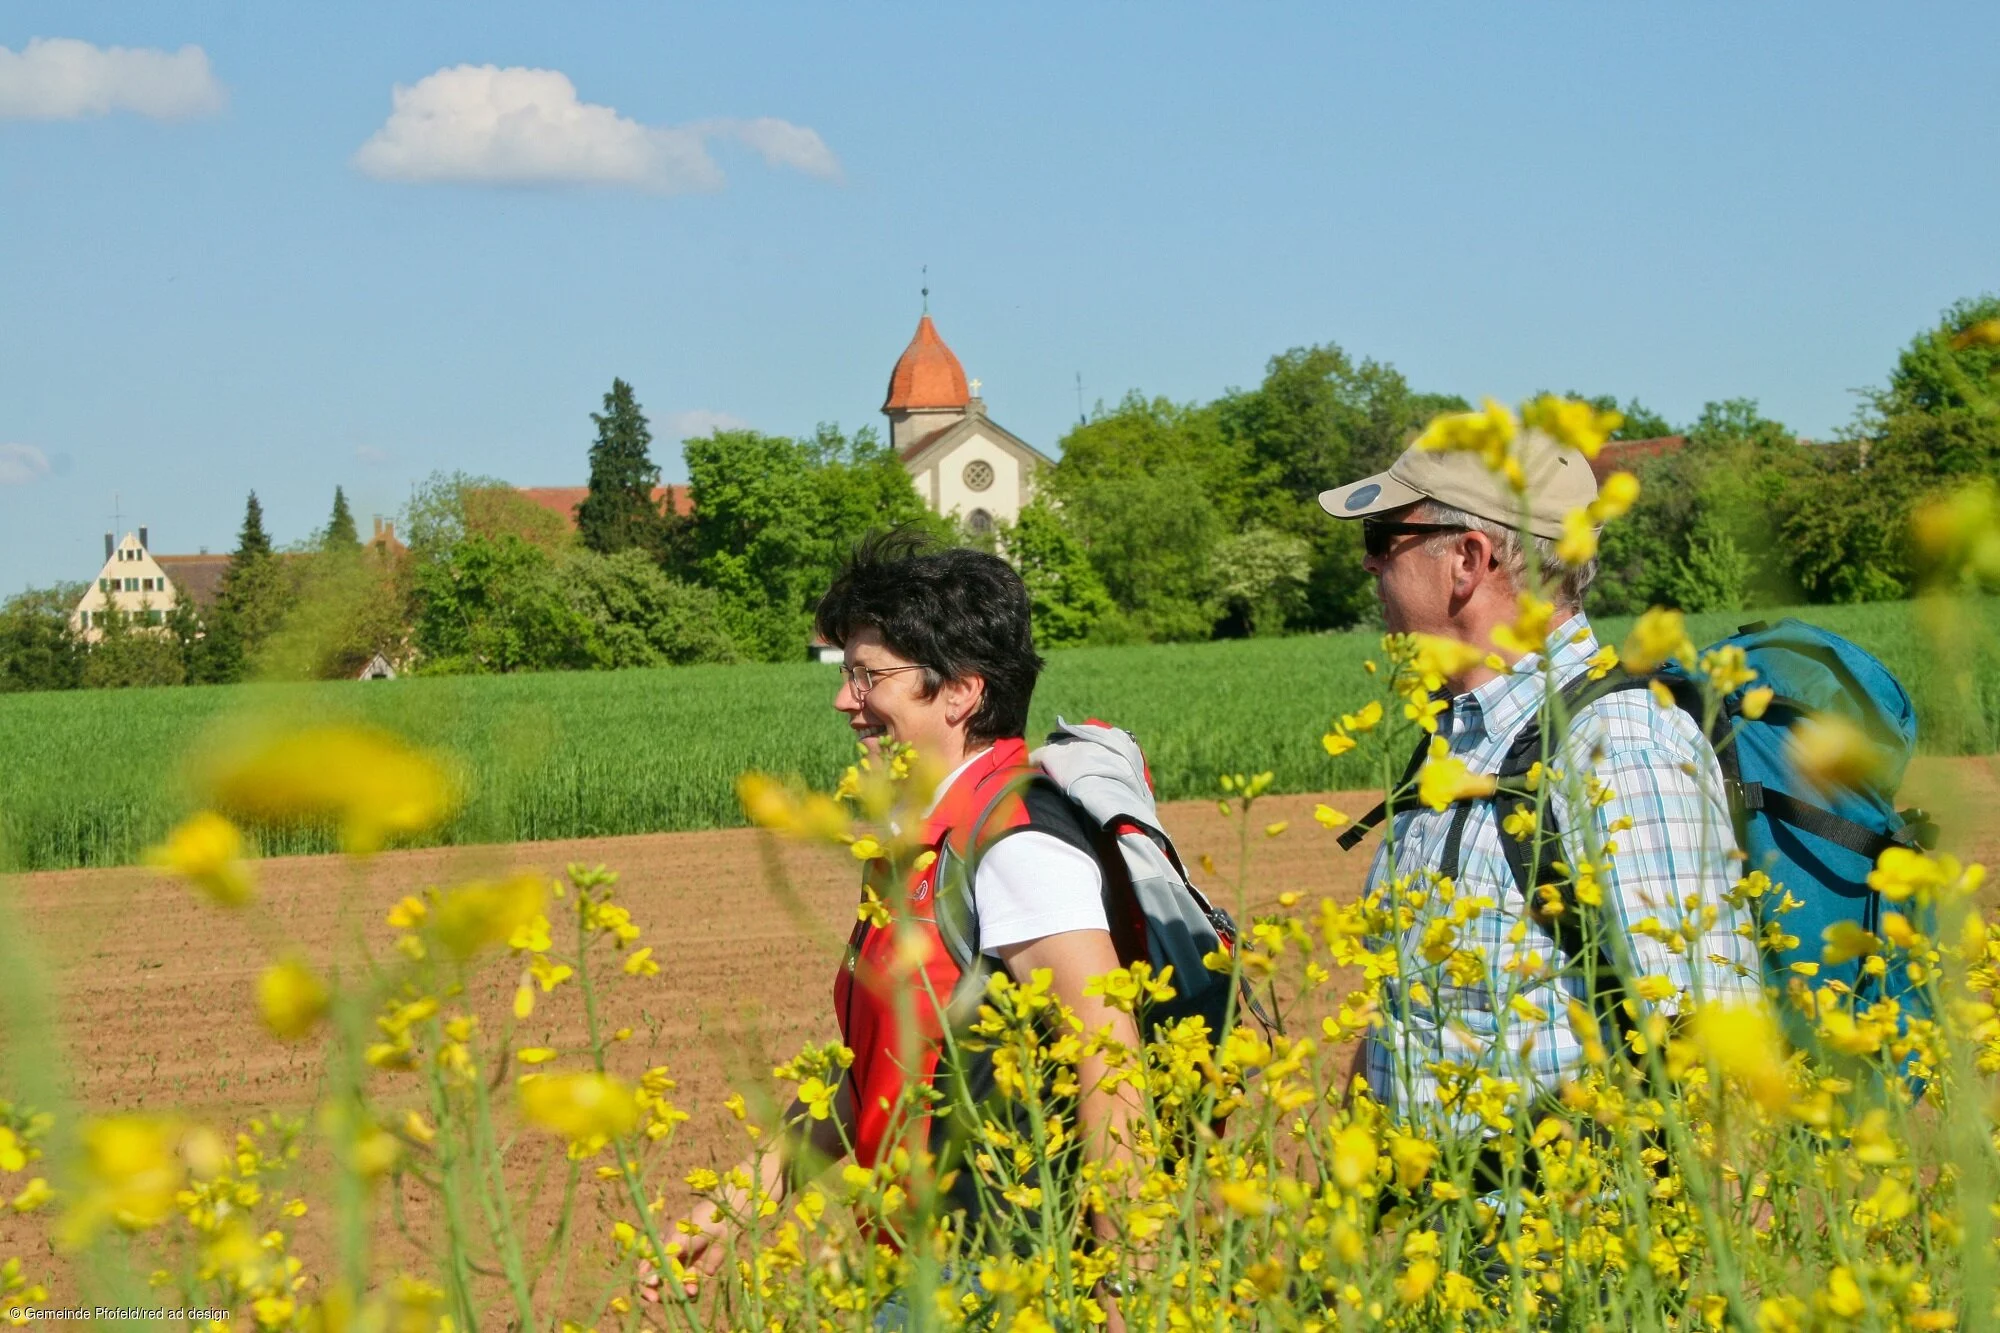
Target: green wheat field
point(91, 778)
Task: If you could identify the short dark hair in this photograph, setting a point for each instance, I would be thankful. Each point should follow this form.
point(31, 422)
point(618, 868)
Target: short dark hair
point(954, 611)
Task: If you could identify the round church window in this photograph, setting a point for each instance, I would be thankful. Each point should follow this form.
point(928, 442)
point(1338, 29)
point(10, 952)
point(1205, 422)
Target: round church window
point(978, 474)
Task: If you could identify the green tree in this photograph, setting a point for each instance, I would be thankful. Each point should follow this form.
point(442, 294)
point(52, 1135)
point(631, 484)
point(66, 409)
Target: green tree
point(340, 534)
point(133, 653)
point(773, 517)
point(619, 513)
point(640, 617)
point(248, 606)
point(1319, 419)
point(490, 605)
point(1263, 577)
point(1943, 370)
point(39, 649)
point(1066, 598)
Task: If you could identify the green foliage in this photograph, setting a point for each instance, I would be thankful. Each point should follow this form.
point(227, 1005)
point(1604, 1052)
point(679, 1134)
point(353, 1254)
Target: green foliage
point(619, 513)
point(254, 596)
point(1702, 536)
point(348, 604)
point(1261, 576)
point(496, 605)
point(1153, 490)
point(340, 534)
point(640, 617)
point(1933, 375)
point(132, 653)
point(773, 518)
point(1066, 599)
point(601, 753)
point(39, 650)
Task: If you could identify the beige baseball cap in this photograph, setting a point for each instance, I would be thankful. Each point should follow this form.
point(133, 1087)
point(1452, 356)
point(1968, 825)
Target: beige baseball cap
point(1559, 480)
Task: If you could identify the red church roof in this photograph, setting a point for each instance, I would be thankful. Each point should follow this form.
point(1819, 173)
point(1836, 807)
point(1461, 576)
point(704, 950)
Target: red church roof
point(927, 374)
point(563, 500)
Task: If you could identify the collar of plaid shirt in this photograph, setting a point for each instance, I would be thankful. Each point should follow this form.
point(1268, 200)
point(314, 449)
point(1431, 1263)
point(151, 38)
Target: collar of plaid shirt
point(1482, 723)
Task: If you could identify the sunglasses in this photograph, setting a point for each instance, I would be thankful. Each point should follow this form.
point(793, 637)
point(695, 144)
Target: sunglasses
point(1378, 537)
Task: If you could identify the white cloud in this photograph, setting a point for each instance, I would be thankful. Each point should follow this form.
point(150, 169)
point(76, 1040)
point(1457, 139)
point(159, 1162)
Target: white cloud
point(21, 464)
point(692, 425)
point(783, 144)
point(368, 453)
point(61, 78)
point(515, 126)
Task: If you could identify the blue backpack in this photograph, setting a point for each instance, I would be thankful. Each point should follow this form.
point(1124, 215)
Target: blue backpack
point(1820, 846)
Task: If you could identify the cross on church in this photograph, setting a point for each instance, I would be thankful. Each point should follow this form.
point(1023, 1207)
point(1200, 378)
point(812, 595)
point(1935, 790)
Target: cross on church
point(975, 388)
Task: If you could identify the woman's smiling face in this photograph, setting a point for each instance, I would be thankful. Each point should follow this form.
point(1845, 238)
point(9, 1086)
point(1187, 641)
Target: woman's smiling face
point(894, 706)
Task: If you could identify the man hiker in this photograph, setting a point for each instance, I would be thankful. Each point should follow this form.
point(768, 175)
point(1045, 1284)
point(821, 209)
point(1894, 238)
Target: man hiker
point(1442, 536)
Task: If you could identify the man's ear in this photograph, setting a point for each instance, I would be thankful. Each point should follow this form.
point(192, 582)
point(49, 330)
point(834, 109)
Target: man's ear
point(1473, 563)
point(962, 696)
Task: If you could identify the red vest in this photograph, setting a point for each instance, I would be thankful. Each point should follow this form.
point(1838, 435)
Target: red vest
point(887, 1059)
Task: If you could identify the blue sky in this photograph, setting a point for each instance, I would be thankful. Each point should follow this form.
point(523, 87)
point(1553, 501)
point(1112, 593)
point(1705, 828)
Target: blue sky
point(204, 290)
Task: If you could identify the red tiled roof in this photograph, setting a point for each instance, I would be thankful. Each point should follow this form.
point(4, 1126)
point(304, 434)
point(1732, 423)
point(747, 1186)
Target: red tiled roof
point(1624, 455)
point(198, 578)
point(563, 500)
point(927, 374)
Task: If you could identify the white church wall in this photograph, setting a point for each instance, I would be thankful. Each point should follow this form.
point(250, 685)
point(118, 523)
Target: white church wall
point(1001, 495)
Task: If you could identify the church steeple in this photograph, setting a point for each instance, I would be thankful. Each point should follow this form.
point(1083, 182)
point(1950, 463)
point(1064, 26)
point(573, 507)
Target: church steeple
point(927, 389)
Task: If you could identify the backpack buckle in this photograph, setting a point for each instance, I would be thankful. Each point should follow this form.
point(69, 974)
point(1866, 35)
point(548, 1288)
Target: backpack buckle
point(1919, 829)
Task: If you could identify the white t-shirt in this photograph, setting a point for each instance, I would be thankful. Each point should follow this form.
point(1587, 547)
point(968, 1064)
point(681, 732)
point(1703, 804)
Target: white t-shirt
point(1032, 884)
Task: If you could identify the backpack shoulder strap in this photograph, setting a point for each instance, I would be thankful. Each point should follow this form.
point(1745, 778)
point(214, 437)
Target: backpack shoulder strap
point(1365, 825)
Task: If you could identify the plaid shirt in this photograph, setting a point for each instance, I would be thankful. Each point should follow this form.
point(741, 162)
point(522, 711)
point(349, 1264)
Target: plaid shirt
point(1503, 1016)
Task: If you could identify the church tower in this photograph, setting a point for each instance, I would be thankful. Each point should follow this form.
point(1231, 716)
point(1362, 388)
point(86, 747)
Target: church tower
point(927, 390)
point(965, 464)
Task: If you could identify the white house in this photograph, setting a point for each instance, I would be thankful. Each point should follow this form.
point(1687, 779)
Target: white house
point(132, 584)
point(963, 461)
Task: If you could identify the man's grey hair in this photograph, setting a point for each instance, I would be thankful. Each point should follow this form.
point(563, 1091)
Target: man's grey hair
point(1562, 584)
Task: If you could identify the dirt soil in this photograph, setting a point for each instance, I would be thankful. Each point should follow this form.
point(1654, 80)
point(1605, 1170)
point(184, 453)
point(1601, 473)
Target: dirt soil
point(155, 988)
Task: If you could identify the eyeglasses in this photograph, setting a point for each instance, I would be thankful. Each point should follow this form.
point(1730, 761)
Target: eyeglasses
point(1376, 537)
point(862, 679)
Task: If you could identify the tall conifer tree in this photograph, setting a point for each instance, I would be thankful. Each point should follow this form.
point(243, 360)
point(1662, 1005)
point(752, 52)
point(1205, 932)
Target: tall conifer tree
point(340, 533)
point(619, 512)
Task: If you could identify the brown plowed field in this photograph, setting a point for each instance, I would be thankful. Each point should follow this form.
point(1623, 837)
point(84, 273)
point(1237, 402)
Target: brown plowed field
point(155, 988)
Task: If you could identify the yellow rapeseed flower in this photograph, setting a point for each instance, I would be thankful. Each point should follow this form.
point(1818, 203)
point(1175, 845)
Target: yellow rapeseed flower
point(1578, 543)
point(1985, 333)
point(368, 783)
point(1659, 636)
point(483, 914)
point(1445, 778)
point(1615, 497)
point(1354, 1156)
point(578, 1107)
point(130, 1171)
point(641, 964)
point(1328, 817)
point(1572, 422)
point(207, 850)
point(1530, 631)
point(1487, 432)
point(1757, 700)
point(1742, 1041)
point(1367, 718)
point(1831, 752)
point(292, 999)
